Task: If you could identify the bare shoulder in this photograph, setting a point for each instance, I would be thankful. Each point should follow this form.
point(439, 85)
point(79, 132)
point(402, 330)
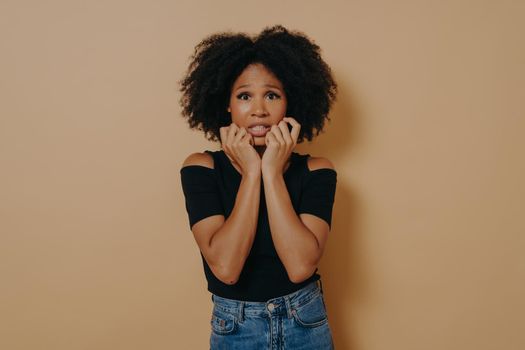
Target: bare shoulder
point(315, 163)
point(199, 158)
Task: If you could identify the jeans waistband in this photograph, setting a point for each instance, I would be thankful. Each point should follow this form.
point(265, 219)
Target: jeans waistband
point(275, 306)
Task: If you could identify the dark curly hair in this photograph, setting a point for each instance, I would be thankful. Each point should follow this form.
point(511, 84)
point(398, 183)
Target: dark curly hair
point(290, 55)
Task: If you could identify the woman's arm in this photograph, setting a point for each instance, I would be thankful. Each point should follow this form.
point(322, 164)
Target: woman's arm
point(225, 244)
point(299, 241)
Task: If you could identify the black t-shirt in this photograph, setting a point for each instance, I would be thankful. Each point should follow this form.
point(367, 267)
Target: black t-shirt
point(210, 192)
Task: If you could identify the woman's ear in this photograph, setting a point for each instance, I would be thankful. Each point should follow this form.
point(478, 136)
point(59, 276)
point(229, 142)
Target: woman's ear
point(229, 109)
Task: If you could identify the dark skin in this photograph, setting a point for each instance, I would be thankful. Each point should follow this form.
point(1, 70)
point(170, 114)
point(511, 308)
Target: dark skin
point(260, 151)
point(261, 157)
point(258, 97)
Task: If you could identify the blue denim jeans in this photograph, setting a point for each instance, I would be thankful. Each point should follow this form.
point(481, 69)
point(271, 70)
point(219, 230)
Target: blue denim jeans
point(295, 321)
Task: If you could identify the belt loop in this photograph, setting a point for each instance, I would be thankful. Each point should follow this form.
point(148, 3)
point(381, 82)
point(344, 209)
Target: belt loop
point(321, 285)
point(288, 306)
point(241, 311)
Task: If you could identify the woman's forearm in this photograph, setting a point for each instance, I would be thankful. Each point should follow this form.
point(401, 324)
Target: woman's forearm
point(231, 244)
point(295, 244)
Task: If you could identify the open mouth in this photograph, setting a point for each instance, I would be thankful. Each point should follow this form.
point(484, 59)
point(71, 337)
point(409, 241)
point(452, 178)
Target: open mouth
point(258, 130)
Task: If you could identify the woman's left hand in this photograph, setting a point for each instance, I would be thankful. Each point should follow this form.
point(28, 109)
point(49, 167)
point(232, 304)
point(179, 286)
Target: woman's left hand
point(280, 143)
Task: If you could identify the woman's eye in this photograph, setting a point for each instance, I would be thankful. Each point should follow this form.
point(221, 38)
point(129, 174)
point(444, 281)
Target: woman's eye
point(274, 95)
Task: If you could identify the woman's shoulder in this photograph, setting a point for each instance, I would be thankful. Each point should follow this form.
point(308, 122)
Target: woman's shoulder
point(316, 163)
point(199, 158)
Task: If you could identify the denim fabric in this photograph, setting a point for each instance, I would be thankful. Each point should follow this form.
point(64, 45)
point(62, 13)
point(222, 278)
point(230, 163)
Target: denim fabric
point(295, 321)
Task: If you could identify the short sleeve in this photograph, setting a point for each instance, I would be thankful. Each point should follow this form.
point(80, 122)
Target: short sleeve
point(318, 194)
point(201, 194)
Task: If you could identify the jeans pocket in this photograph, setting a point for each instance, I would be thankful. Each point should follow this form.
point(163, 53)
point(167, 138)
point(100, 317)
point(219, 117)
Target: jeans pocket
point(222, 322)
point(311, 314)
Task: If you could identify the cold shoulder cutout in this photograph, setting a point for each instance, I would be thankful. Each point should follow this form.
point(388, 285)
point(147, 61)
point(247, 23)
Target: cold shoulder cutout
point(212, 191)
point(316, 163)
point(199, 159)
point(199, 185)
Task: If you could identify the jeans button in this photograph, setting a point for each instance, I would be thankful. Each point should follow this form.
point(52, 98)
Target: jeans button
point(271, 307)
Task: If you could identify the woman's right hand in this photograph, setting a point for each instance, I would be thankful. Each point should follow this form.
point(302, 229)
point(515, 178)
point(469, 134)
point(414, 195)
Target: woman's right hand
point(237, 144)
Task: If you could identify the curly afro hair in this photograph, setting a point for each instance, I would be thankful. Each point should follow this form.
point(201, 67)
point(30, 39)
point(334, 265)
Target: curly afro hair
point(290, 55)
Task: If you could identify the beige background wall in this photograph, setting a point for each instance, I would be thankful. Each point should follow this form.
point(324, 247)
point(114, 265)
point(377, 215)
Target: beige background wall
point(427, 245)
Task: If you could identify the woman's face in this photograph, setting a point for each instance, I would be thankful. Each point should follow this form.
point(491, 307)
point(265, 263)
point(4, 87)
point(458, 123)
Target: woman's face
point(257, 98)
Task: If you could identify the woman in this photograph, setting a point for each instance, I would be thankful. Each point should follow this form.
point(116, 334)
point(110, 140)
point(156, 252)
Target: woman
point(260, 212)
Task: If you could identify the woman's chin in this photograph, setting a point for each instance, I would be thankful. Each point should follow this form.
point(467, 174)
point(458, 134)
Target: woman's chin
point(259, 141)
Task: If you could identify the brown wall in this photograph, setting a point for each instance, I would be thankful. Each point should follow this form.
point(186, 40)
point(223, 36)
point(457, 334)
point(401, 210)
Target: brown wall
point(426, 250)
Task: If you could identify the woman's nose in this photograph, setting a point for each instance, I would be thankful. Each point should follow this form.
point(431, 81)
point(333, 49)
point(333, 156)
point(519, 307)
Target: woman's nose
point(259, 108)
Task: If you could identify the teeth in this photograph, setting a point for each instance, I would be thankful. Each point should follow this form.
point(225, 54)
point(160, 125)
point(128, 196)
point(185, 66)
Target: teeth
point(258, 128)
